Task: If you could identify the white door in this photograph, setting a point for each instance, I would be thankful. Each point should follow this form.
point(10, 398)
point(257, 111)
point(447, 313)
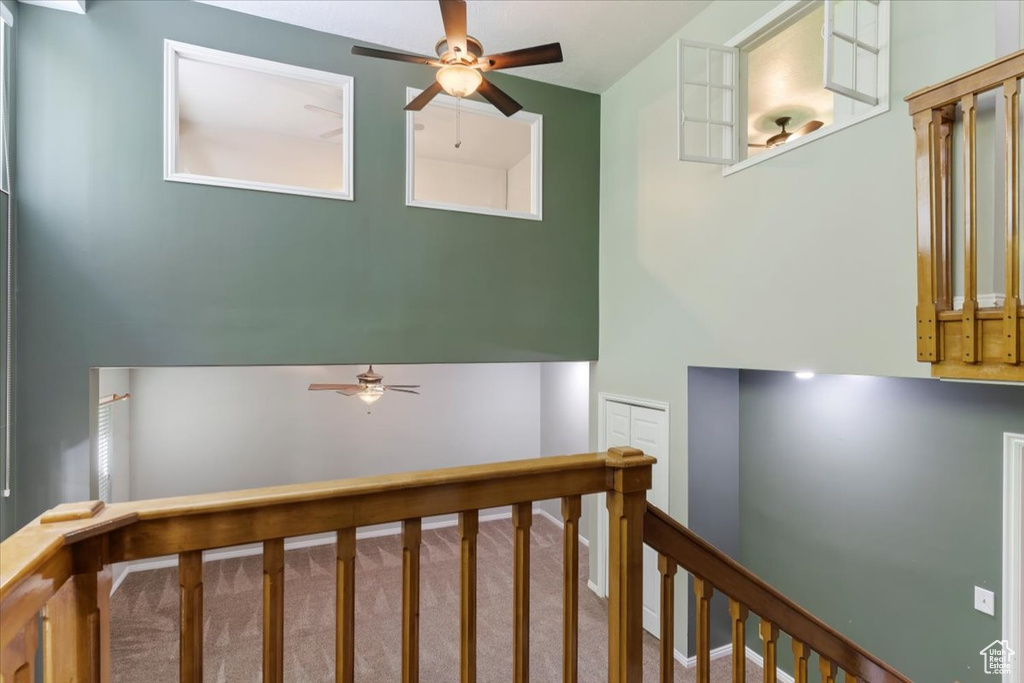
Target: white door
point(647, 429)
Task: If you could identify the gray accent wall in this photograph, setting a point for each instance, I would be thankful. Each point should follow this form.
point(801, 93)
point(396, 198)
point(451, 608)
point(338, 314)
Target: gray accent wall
point(714, 481)
point(120, 268)
point(876, 504)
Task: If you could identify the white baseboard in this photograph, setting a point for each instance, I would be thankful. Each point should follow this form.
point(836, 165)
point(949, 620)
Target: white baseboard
point(984, 301)
point(717, 653)
point(781, 675)
point(597, 591)
point(320, 539)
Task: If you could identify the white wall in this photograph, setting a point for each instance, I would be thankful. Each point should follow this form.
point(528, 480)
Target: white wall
point(520, 185)
point(803, 261)
point(260, 156)
point(565, 419)
point(200, 430)
point(465, 184)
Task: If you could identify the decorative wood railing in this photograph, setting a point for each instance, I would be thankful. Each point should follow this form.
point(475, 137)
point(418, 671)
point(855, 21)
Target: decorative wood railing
point(713, 570)
point(56, 570)
point(972, 342)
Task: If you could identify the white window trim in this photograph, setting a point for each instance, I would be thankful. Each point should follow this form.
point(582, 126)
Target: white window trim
point(1013, 550)
point(536, 122)
point(749, 35)
point(174, 50)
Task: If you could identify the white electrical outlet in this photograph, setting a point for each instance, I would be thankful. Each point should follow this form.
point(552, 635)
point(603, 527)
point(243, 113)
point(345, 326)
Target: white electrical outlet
point(984, 601)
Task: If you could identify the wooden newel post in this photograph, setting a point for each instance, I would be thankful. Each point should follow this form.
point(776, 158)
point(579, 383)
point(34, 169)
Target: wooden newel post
point(627, 503)
point(76, 620)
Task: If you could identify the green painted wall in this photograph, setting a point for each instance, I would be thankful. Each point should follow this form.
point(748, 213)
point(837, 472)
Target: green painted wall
point(876, 504)
point(803, 261)
point(119, 267)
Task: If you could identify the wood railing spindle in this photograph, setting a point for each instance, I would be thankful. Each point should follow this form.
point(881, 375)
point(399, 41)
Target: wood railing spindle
point(572, 509)
point(1011, 304)
point(345, 606)
point(769, 633)
point(738, 616)
point(190, 646)
point(969, 324)
point(801, 653)
point(469, 527)
point(667, 568)
point(273, 611)
point(18, 658)
point(412, 536)
point(828, 669)
point(522, 519)
point(703, 591)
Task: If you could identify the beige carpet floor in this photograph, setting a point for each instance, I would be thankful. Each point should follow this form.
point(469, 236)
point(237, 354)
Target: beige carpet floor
point(144, 615)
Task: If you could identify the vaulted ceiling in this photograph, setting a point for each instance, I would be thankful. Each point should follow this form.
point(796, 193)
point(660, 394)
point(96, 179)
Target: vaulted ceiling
point(601, 39)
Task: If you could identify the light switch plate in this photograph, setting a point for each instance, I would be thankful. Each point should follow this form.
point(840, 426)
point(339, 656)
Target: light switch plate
point(984, 601)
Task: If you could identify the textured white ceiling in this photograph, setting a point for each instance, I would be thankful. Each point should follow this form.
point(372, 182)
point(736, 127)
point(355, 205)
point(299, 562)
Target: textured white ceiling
point(601, 39)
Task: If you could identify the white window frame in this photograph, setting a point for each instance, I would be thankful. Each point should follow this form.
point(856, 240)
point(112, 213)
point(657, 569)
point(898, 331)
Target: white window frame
point(767, 24)
point(536, 122)
point(705, 117)
point(832, 34)
point(174, 51)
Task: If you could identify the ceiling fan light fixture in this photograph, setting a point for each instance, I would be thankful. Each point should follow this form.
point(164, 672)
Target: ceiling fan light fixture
point(371, 394)
point(459, 80)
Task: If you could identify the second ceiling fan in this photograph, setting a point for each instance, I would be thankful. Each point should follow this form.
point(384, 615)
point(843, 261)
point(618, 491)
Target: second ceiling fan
point(461, 62)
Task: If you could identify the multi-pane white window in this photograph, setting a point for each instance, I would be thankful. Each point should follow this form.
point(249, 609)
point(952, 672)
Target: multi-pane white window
point(708, 76)
point(831, 58)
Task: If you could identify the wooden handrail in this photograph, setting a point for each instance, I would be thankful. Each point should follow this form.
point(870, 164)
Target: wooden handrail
point(973, 82)
point(712, 567)
point(58, 565)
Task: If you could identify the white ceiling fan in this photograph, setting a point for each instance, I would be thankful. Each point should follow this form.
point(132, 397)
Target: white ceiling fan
point(328, 112)
point(369, 389)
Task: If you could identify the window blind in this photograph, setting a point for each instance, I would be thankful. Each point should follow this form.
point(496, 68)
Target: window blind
point(104, 447)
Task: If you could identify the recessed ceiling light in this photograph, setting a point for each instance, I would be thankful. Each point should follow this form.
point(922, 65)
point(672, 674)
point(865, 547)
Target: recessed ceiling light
point(804, 374)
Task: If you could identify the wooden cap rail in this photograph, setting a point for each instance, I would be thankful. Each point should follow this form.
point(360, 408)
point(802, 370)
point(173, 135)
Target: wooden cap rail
point(971, 342)
point(714, 570)
point(57, 567)
point(57, 573)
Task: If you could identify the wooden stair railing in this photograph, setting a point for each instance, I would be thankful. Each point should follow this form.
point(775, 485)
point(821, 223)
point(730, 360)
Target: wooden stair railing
point(55, 572)
point(971, 342)
point(713, 570)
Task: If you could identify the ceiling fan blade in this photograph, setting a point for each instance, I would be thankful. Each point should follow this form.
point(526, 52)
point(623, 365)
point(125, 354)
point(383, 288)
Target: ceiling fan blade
point(421, 100)
point(453, 14)
point(335, 387)
point(809, 127)
point(401, 386)
point(404, 391)
point(332, 133)
point(496, 96)
point(396, 56)
point(323, 110)
point(530, 56)
point(755, 145)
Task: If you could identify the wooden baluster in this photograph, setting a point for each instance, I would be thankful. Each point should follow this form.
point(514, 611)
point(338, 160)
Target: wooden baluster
point(190, 639)
point(522, 519)
point(273, 611)
point(943, 183)
point(769, 633)
point(928, 212)
point(828, 669)
point(469, 527)
point(572, 508)
point(667, 568)
point(703, 590)
point(969, 324)
point(18, 658)
point(849, 677)
point(627, 504)
point(738, 614)
point(412, 535)
point(1011, 310)
point(75, 617)
point(801, 653)
point(345, 607)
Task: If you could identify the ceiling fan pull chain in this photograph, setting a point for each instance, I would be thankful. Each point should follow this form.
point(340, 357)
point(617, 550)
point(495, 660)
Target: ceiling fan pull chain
point(458, 122)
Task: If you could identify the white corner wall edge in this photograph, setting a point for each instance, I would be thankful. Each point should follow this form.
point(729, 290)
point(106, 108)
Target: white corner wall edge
point(230, 553)
point(1013, 550)
point(76, 6)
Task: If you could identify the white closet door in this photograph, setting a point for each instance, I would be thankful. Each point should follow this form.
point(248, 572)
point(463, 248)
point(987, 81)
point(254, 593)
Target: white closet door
point(649, 433)
point(617, 423)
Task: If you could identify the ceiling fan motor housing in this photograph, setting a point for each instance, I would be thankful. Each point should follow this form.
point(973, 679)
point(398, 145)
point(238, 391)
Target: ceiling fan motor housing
point(473, 46)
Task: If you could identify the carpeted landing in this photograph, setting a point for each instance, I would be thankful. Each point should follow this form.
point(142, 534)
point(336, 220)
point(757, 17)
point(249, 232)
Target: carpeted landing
point(144, 615)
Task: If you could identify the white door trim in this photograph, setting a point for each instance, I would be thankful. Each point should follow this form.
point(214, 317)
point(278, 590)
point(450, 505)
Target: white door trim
point(601, 540)
point(1013, 550)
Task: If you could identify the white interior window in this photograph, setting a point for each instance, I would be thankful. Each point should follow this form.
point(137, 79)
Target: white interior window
point(242, 122)
point(806, 69)
point(468, 156)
